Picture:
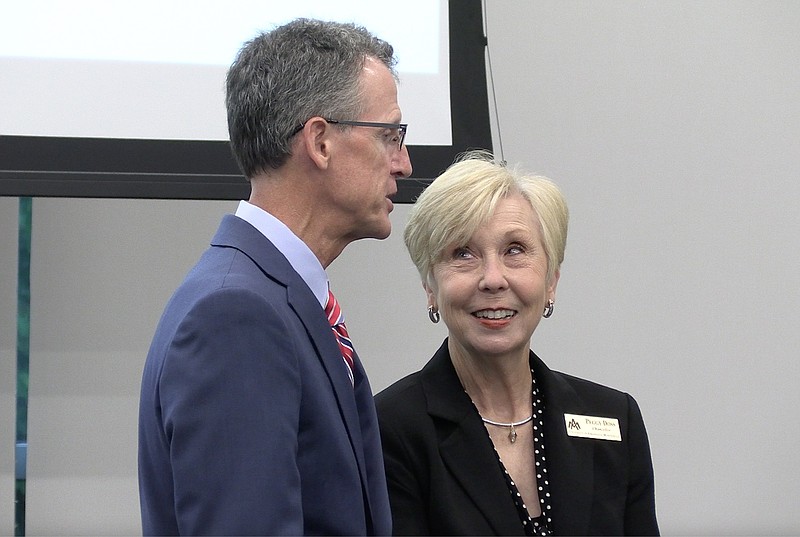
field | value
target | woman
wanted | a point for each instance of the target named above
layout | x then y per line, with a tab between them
485	439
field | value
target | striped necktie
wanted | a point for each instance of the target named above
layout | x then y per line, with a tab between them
336	320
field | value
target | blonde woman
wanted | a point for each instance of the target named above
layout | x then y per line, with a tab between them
486	439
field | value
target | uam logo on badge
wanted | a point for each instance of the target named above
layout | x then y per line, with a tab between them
594	427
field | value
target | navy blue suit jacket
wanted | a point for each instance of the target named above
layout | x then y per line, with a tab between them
248	423
443	473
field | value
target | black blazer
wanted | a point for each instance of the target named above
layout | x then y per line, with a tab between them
443	474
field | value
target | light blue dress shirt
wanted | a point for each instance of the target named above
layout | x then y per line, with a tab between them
296	251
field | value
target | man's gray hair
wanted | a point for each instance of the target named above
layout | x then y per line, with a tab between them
284	77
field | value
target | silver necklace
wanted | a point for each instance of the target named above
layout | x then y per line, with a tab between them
512	435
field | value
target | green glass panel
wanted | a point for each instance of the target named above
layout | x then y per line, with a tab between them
23	346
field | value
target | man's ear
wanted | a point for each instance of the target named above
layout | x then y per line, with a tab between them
316	135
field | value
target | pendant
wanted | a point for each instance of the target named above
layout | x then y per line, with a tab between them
512	436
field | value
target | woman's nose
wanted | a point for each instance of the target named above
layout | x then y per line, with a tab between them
494	275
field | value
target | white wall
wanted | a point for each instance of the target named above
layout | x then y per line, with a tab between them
671	126
101	271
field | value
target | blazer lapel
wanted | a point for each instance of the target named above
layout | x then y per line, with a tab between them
320	332
465	447
236	233
570	463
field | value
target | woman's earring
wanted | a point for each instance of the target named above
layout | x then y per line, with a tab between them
433	314
548	310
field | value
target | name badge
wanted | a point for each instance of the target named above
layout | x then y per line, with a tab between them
593	427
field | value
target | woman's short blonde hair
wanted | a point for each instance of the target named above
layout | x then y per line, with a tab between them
464	197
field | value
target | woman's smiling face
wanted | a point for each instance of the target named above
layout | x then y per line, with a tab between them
491	292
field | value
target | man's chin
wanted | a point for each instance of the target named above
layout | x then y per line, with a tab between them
380	231
384	234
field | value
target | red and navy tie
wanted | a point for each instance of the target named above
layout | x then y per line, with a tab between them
336	320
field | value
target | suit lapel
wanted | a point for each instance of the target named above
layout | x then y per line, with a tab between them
464	445
328	351
570	463
236	233
468	453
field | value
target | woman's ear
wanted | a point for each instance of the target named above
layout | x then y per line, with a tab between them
551	287
431	293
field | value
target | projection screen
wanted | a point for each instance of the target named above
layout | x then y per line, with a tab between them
126	99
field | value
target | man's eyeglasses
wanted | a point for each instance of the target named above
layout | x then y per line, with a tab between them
397	131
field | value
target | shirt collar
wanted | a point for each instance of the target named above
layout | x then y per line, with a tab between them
299	255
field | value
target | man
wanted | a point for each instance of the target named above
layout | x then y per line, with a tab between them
252	419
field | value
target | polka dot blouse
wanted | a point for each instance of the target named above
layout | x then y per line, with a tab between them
542	524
